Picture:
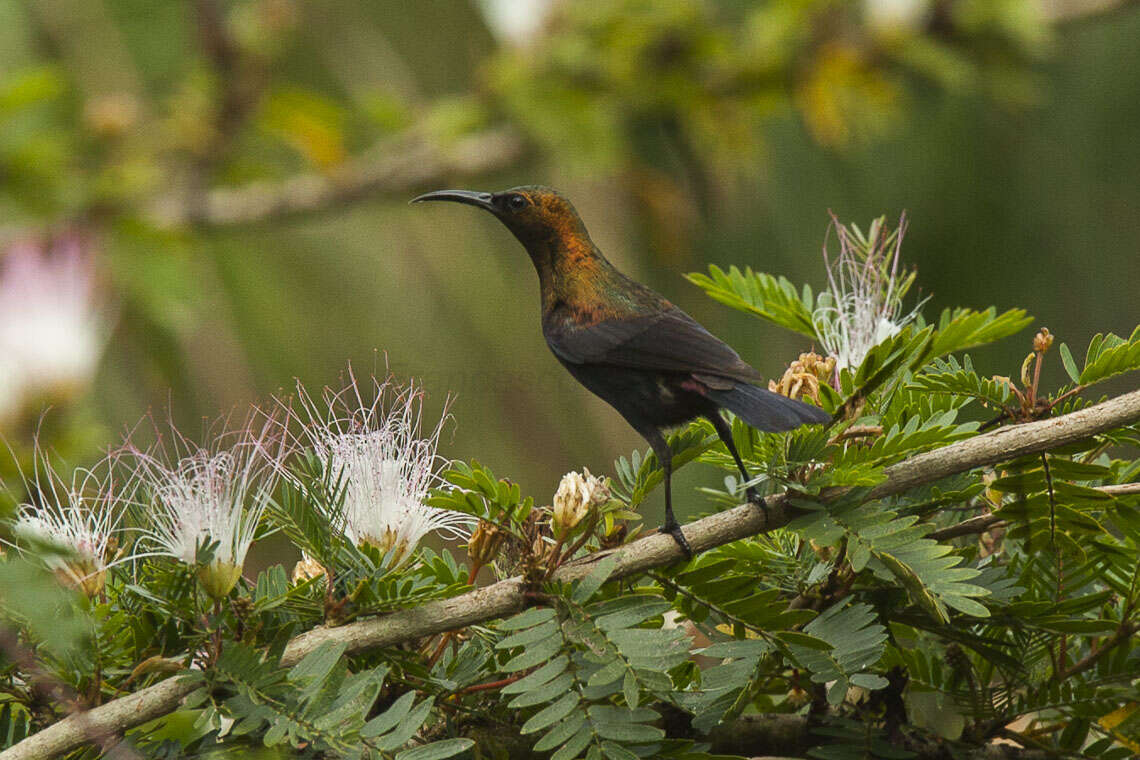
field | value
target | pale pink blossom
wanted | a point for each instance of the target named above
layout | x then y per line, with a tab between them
52	326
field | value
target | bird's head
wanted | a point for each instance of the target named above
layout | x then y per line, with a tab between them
538	216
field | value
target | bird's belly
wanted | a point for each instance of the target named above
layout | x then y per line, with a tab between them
643	397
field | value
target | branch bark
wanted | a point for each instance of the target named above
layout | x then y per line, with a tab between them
508	597
397	165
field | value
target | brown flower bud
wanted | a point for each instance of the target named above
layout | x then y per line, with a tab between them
484	544
539	550
1043	340
823	552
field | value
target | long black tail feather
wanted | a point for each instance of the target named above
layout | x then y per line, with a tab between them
765	410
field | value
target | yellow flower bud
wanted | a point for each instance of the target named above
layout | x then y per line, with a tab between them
218	578
1043	340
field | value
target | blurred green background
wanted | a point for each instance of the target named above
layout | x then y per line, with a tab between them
236	174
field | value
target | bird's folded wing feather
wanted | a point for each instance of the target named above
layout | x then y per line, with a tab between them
668	341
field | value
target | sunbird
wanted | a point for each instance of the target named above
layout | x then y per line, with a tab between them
626	343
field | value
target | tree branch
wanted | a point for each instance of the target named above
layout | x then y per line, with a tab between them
393	166
508	597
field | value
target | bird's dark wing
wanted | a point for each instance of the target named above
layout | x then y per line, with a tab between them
667	341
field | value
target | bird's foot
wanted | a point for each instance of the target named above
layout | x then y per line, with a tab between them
755	499
674	530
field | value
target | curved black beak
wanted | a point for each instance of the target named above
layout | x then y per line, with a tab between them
470	197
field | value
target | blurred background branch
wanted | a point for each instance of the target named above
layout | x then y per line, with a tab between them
396	166
1061	11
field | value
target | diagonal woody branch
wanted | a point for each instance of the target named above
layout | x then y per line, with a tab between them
508	597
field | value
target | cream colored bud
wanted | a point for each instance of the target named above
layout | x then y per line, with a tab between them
576	495
1043	340
307	569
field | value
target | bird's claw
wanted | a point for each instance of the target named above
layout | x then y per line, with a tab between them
755	499
674	530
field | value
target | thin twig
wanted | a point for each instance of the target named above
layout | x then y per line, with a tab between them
857	431
982	523
492	685
1122	489
974	525
1123	631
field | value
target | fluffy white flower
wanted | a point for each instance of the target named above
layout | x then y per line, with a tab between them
862	305
377	453
80	518
211	495
51	328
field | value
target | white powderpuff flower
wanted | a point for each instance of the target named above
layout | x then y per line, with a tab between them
80	518
862	306
577	494
212	494
52	328
376	452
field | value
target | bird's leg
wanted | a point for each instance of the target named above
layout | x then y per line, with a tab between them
724	430
665	457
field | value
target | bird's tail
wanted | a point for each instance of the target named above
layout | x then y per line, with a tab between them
765	410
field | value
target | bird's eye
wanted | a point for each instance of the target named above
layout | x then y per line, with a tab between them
517	202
